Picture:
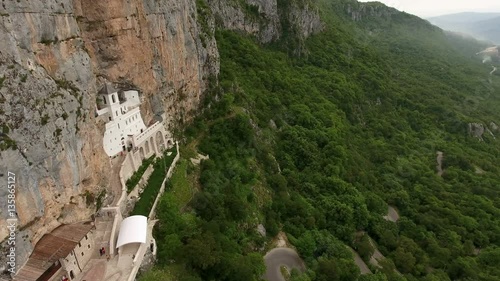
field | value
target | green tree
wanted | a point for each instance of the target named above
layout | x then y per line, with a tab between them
405	261
372	277
336	270
201	252
364	247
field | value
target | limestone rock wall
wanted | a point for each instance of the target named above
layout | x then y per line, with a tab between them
45	109
151	45
264	19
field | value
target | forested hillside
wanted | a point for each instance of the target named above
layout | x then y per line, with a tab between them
318	138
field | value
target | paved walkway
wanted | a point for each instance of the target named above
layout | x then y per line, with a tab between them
114	180
96	272
95	269
363	268
103	227
119	267
278	257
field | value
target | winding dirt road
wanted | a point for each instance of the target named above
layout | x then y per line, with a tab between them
363	268
439	163
278	257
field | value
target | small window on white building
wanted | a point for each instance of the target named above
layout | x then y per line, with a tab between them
82	254
79	244
116	113
118	126
113	97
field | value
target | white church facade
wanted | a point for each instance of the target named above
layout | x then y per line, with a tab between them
125	129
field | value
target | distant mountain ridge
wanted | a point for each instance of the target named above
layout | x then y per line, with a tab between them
464	17
483	26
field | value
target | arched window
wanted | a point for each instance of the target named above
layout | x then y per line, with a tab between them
113	98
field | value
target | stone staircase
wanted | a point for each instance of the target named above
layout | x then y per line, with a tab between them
103	232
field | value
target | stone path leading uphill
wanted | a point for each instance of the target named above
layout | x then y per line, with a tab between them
114	181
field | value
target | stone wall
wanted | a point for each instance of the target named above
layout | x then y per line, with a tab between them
81	255
167	177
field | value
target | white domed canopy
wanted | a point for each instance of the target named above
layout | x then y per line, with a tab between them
132	230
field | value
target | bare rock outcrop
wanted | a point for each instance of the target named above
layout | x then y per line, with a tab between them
494	127
264	19
359	11
476	130
49	138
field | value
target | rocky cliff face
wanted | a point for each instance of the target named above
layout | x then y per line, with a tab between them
267	19
49	140
152	45
54	57
477	130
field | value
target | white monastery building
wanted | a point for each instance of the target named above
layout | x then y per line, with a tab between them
123	116
125	129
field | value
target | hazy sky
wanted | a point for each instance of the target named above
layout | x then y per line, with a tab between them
429	8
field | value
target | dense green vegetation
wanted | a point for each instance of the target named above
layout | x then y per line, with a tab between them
148	196
179	183
136	177
319	145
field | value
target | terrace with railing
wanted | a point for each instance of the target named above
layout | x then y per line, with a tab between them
150	131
